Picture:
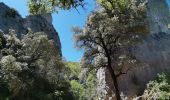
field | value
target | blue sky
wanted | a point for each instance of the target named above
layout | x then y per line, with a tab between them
62	21
168	2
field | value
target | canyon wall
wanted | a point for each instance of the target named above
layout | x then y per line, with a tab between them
153	54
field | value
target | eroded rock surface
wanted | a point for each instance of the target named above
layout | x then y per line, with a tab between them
153	53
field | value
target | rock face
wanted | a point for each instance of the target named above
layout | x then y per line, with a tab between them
158	16
10	19
153	53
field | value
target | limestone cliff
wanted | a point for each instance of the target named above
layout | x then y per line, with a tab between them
153	53
10	19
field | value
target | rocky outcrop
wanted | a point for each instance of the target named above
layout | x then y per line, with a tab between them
39	23
153	53
158	16
10	19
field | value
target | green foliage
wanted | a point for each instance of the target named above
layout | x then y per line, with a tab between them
74	69
9	64
91	82
40	7
157	90
108	36
78	90
50	6
31	68
83	83
112	34
115	4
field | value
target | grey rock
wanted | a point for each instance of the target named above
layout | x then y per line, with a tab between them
10	19
153	53
38	23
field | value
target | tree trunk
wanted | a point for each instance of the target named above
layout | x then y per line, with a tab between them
114	78
111	70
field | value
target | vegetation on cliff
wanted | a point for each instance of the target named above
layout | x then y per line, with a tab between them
158	89
108	36
32	69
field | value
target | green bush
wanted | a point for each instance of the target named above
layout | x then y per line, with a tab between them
83	83
77	90
31	68
157	90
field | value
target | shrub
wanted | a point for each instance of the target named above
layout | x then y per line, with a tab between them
157	90
77	90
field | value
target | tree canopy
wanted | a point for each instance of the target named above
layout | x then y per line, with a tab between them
108	37
49	6
31	68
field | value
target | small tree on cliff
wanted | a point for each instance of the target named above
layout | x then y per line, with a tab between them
107	38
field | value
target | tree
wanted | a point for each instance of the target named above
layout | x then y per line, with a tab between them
83	85
78	90
108	37
31	68
50	6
